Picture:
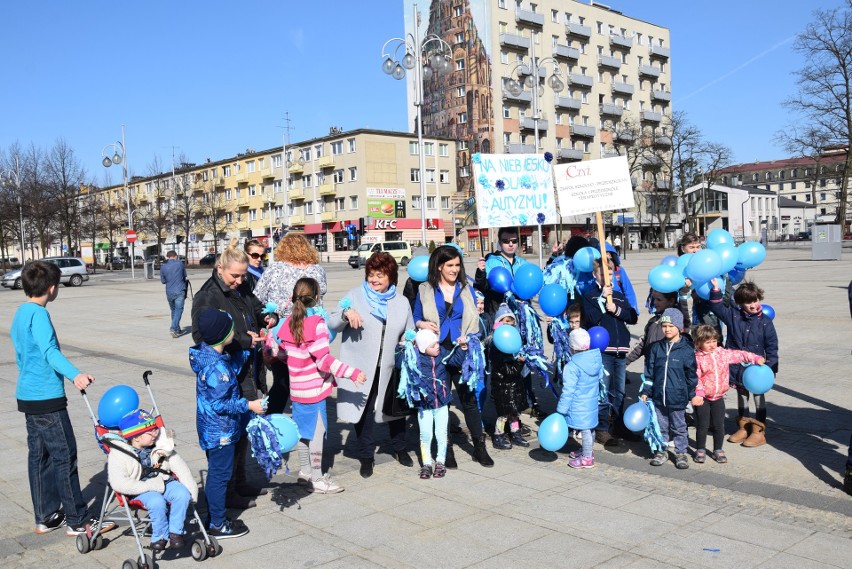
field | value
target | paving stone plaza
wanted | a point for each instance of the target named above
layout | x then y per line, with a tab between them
778	505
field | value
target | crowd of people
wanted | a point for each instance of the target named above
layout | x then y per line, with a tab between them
412	348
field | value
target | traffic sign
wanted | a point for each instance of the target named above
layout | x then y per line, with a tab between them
131	236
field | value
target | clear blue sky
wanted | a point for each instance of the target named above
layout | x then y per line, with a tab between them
214	78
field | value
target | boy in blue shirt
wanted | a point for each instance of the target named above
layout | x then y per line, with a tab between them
40	392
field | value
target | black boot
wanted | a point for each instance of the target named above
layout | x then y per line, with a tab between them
518	439
480	454
451	458
501	442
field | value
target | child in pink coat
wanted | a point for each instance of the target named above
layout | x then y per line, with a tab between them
713	364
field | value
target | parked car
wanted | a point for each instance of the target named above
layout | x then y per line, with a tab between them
207	260
847	236
73	269
158	260
399	250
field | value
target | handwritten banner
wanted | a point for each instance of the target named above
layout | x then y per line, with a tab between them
594	185
513	190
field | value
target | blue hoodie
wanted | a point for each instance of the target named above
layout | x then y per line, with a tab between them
219	407
580	388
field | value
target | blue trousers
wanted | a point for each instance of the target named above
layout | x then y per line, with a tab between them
673	420
176	306
437	420
166	520
52	467
220	466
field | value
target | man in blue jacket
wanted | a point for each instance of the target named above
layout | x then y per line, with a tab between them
173	275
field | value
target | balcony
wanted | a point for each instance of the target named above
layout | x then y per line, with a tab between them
649	71
516	148
660	95
578	30
569	154
583	130
529	18
663	141
522	97
325	162
328	216
515	42
581	80
609	61
267	173
662	185
568	103
624	137
327	189
143	197
242	201
620	41
566	52
296	169
611	110
623	89
297	194
651	116
659	51
242	178
297	220
528	123
651	161
219	182
609	154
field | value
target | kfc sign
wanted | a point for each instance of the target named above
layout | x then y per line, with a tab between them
385	224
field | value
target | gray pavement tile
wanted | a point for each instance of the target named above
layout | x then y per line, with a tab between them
497	532
732	554
372	530
766	533
483	492
666	509
301	550
787	561
604	494
324	511
433	548
10	547
434	511
824	548
353	562
553	551
390	495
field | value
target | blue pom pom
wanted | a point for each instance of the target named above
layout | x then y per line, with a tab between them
548	157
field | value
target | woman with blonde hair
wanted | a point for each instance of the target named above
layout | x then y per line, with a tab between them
227	290
294	258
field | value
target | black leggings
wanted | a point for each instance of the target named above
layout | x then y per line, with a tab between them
710	413
759	404
467	401
366	425
279	393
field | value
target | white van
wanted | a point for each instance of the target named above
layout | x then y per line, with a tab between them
399	250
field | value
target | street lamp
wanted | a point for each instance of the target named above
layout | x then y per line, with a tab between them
119	156
531	80
427	57
703	205
14	175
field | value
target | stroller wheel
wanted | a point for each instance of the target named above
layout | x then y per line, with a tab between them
199	550
128	564
213	549
83	545
145	562
99	543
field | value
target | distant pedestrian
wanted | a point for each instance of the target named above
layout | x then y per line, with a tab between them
617	244
173	275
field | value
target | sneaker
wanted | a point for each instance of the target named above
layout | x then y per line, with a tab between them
440	471
325	486
176	541
659	459
575	454
501	442
303	479
519	440
682	461
228	529
425	472
525	430
90	528
174	335
55	521
582	462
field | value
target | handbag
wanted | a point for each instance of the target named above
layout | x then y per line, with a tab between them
393	406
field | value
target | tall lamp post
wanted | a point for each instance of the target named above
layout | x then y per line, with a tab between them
119	156
530	80
703	206
427	56
14	176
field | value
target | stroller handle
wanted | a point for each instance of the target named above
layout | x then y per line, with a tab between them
146	375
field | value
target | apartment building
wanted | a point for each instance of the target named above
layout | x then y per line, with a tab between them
614	71
742	210
343	189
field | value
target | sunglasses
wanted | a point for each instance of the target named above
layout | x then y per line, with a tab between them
509	241
255	255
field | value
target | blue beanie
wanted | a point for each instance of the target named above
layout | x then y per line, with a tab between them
672	316
214	325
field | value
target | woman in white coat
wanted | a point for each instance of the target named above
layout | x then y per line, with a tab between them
372	320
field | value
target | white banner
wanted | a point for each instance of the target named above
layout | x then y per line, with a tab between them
513	190
594	185
386	193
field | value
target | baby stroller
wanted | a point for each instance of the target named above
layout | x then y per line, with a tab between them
119	508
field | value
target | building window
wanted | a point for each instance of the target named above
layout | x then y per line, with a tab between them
337	148
339	204
252	215
459	37
507	112
252	190
504	57
353	174
460	65
338	176
554	16
792	185
415	202
250	166
458	11
229	217
226	171
309	208
462	144
501	4
430	175
445	202
412	148
415	175
444	176
462	118
429	148
227	195
353	202
307	181
443	149
464	171
306	154
350	143
430	202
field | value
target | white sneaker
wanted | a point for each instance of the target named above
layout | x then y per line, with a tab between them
303	479
325	486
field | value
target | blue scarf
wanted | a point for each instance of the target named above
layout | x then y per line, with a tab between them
378	301
256	271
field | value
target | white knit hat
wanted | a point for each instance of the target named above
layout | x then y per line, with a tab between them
579	340
424	339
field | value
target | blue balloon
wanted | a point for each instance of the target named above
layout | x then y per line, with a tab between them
584	259
527	281
730	256
418	268
664	278
703	266
553	432
683	261
286	430
599	338
118	401
507	339
553	299
500	280
703	290
736	275
751	254
719	238
758	379
768	311
637	416
669	261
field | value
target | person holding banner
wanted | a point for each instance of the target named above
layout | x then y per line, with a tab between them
446	304
613	315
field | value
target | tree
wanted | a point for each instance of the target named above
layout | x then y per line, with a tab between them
824	98
187	209
158	217
40	209
809	142
64	176
214	216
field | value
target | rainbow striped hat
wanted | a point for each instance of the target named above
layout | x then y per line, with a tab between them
136	423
